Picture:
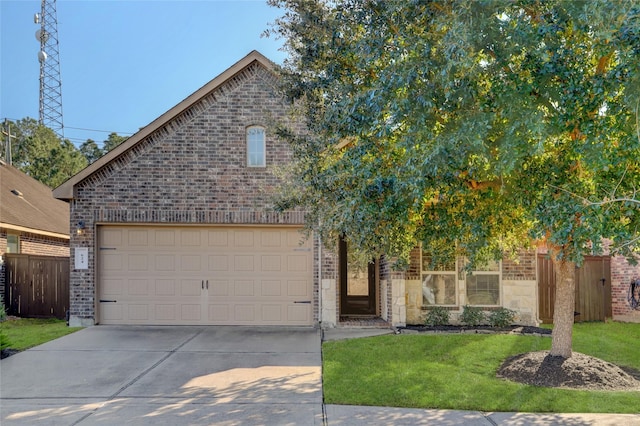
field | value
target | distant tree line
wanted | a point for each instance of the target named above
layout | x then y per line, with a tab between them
37	151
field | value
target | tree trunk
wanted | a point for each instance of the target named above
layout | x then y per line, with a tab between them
563	313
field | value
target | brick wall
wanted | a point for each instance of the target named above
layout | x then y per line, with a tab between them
42	245
191	170
521	269
622	273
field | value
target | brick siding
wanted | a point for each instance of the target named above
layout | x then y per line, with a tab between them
521	269
622	273
190	170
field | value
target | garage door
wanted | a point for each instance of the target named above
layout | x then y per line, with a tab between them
191	276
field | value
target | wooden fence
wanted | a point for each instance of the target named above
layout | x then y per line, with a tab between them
593	289
37	286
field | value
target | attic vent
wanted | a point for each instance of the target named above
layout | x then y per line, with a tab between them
16	192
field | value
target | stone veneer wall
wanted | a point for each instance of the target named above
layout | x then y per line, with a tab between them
330	294
192	170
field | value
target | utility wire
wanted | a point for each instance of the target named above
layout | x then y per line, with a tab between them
84	129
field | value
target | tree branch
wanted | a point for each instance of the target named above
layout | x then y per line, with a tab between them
588	202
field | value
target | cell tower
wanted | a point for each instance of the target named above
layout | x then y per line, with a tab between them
48	56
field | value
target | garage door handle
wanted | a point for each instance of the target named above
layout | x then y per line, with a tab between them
202	282
302	301
207	284
107	301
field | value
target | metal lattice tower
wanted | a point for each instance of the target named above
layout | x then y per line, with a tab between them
48	56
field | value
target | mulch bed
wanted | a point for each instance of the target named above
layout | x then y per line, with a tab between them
580	371
538	368
5	353
483	329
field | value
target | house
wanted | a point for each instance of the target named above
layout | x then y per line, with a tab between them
177	228
31	220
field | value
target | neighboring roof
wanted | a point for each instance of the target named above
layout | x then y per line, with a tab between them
28	205
65	191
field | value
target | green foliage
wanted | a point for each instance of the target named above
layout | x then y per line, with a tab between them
90	150
472	316
437	316
112	141
4	340
501	317
482	123
38	152
479	125
3	310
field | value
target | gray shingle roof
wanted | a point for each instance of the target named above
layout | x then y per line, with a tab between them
27	203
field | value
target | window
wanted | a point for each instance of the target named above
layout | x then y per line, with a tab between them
483	285
13	243
438	282
256	151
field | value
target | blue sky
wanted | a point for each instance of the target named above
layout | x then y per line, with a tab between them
124	63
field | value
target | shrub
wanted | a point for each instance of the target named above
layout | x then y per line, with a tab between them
437	316
3	312
472	316
502	317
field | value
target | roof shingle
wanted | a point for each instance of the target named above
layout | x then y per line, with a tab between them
27	203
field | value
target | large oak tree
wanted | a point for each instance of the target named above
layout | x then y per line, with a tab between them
476	125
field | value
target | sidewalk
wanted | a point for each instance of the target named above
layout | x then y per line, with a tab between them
343	415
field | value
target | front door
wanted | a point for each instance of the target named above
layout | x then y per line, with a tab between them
357	286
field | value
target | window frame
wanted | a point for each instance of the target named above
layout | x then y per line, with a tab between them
487	271
248	146
17	243
425	272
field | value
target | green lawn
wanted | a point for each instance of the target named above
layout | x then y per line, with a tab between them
458	371
25	333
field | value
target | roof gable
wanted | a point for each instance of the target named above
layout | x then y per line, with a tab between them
66	190
28	205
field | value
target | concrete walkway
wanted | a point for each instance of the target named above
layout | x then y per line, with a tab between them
207	376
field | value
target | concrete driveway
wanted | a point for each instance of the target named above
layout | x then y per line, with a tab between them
166	376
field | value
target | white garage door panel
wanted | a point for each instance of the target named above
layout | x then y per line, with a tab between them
162	275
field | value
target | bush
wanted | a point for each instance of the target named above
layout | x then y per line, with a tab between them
437	316
502	317
472	316
3	311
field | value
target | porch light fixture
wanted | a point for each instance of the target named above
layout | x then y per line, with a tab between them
80	228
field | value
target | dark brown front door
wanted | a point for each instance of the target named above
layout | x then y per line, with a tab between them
357	286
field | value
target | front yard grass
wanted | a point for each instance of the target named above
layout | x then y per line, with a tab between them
458	371
25	333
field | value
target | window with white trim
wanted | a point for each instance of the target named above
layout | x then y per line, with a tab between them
256	147
483	285
438	282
